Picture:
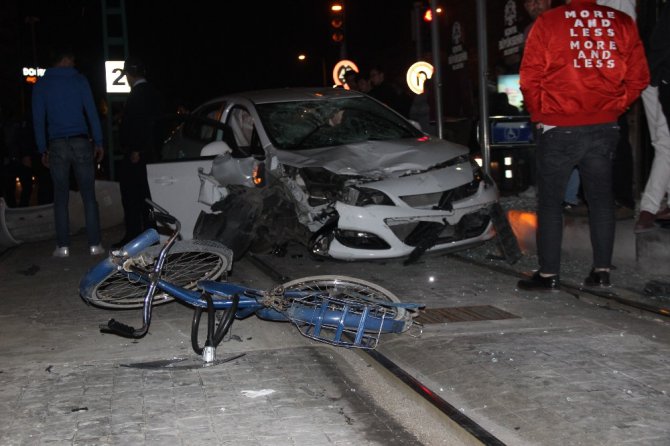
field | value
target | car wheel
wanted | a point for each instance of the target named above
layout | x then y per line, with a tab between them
234	222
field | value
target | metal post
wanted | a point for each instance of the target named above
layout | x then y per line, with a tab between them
343	43
114	45
437	75
482	54
416	28
31	20
324	72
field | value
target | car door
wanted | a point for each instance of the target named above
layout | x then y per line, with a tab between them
173	178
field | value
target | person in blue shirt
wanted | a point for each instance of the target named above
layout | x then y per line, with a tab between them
65	120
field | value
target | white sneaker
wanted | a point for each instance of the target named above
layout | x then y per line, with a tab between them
61	251
97	250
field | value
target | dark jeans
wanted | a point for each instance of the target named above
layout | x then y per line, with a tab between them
134	189
75	152
623	167
592	149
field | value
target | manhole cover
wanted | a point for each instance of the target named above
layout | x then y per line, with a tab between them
463	314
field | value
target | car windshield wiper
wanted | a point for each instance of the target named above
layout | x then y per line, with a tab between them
309	135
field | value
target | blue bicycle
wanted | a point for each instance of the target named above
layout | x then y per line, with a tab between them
338	310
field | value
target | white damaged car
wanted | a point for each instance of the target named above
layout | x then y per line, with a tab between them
332	169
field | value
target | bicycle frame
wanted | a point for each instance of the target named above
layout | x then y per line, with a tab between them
317	314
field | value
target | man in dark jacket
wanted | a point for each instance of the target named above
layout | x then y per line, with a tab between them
583	65
138	140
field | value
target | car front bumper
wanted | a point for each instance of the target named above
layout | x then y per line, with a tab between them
382	232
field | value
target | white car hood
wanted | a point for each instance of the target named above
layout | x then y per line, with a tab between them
378	159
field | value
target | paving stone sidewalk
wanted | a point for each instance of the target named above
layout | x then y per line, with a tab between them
565	370
62	382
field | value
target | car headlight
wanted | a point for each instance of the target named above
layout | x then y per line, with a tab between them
363	196
479	175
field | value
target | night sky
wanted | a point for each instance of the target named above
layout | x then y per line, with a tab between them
196	50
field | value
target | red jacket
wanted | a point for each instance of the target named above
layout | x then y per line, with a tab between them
583	64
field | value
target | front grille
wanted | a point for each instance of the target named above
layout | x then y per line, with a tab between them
442	200
422	201
470	226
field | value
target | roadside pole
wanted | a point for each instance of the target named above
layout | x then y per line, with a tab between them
437	75
482	53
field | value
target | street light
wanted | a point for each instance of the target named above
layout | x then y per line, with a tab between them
303	59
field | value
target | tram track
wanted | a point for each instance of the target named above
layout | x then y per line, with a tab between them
610	298
468	427
625	299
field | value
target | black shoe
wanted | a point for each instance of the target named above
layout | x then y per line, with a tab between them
598	278
539	283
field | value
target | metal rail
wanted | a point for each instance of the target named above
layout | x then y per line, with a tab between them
619	296
613	294
464	422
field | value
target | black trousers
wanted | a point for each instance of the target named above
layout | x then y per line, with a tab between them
134	190
623	167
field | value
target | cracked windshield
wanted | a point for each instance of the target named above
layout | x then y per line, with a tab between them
312	124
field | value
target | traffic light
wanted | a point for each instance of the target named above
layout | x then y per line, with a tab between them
337	22
428	14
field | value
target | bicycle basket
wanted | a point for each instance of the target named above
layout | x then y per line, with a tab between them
341	322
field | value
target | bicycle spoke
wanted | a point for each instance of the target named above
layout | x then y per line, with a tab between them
184	267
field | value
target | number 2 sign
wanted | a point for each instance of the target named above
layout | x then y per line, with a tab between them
116	80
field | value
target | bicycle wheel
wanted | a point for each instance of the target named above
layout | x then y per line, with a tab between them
187	262
350	288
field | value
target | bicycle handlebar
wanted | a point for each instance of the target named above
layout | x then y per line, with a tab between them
115	327
162	215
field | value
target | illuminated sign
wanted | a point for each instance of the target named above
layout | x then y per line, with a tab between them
417	75
31	74
116	80
341	68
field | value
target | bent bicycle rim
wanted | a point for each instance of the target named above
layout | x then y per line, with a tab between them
187	263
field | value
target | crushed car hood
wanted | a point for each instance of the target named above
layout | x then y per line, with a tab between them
377	159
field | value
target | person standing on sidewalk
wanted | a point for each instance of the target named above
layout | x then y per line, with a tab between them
64	114
138	139
656	100
583	66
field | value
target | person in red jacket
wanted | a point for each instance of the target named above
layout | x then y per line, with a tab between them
583	66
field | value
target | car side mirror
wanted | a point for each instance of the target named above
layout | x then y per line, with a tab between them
215	148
